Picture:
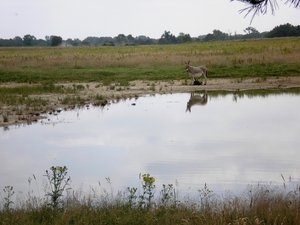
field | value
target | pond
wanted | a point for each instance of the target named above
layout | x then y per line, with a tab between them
227	141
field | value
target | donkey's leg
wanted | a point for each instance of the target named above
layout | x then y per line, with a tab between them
192	79
205	78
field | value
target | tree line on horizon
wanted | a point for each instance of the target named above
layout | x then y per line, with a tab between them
285	30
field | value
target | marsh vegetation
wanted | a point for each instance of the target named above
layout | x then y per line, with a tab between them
147	204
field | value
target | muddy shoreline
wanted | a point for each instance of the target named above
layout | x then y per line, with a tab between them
135	89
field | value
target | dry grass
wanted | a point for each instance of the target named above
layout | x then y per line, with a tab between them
213	54
260	204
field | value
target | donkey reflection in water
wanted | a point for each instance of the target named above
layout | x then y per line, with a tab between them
196	100
196	72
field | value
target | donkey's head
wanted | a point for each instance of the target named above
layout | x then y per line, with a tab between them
187	66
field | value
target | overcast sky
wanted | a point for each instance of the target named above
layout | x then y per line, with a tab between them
83	18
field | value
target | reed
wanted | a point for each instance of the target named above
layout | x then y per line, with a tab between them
258	204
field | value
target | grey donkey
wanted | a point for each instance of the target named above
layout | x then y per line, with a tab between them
196	71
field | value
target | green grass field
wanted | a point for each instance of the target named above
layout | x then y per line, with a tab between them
235	59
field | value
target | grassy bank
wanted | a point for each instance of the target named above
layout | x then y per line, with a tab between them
235	59
258	204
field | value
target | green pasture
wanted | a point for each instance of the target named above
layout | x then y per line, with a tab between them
232	59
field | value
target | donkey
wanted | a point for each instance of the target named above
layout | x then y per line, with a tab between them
196	100
196	72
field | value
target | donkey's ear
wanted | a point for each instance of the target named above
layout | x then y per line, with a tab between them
188	62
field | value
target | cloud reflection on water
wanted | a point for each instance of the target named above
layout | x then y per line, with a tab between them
224	143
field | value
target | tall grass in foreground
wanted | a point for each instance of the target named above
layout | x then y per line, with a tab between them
260	204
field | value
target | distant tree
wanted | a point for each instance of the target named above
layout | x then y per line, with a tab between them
41	42
219	35
167	38
85	43
285	30
150	41
48	40
121	39
130	39
6	42
261	6
69	42
18	41
182	38
209	37
76	42
108	43
56	40
201	37
29	40
251	32
216	35
96	40
91	41
144	40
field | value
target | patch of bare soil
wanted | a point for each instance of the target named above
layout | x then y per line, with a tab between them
24	115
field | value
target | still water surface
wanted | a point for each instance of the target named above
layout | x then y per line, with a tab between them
228	143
